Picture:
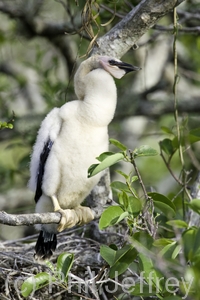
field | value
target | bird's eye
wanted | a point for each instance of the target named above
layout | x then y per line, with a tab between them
112	62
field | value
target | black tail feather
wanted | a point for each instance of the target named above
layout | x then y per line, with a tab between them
45	245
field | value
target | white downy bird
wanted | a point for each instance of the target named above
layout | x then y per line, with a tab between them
68	142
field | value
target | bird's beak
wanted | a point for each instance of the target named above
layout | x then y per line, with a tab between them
124	66
116	67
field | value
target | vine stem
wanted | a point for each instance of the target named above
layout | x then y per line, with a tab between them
176	77
176	116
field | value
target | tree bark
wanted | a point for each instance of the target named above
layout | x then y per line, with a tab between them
29	219
137	22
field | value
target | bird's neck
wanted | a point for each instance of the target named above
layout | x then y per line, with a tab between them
99	104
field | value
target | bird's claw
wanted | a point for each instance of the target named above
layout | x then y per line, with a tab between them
71	217
77	216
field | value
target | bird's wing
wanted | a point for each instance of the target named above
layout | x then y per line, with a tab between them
43	157
47	134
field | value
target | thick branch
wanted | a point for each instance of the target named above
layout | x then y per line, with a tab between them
76	216
96	200
29	219
127	32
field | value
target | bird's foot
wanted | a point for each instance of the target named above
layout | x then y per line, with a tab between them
77	216
84	214
71	217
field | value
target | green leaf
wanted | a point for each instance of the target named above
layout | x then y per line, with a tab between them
134	205
188	241
162	242
168	250
104	155
194	135
166	130
165	209
64	264
118	144
161	198
163	204
175	142
10	126
143	239
4	125
108	254
50	265
176	251
147	267
120	186
194	205
123	199
120	218
123	174
109	216
144	150
134	178
167	146
196	247
190	137
107	162
123	258
92	169
142	289
177	223
36	282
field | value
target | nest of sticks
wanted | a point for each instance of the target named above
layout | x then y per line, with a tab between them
87	275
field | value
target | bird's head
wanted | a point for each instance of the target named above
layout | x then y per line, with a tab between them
113	66
116	67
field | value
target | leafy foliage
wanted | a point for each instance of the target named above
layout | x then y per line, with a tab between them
57	276
4	125
162	246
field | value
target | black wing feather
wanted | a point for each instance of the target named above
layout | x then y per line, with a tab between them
43	157
45	245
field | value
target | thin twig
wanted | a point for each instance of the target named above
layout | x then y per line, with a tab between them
169	29
147	214
121	16
169	168
139	176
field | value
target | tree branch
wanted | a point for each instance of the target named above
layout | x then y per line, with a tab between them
99	198
39	218
138	21
29	219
